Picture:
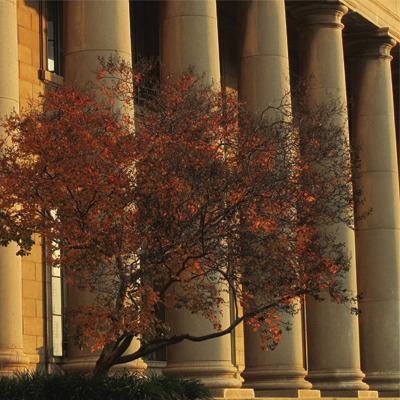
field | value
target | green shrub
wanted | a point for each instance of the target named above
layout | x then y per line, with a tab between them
121	386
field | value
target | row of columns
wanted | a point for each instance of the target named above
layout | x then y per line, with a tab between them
337	341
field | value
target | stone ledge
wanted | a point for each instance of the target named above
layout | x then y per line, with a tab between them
303	398
289	393
232	393
358	394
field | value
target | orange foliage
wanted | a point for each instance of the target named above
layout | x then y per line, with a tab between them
200	197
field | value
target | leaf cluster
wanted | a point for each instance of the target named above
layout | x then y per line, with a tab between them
187	198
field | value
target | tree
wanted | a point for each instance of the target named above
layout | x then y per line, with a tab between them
189	197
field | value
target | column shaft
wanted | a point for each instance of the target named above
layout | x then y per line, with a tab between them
263	53
378	236
189	37
94	29
264	81
79	361
12	357
333	336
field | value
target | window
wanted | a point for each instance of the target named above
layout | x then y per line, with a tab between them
54	36
51	44
57	305
57	312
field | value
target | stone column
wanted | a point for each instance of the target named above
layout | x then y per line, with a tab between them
85	361
264	81
189	36
333	337
378	236
12	357
93	29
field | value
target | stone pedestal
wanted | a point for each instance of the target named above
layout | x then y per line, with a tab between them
12	357
332	332
263	83
378	236
290	394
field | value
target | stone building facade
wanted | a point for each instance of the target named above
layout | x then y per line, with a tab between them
350	48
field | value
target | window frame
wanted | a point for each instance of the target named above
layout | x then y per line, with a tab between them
56	76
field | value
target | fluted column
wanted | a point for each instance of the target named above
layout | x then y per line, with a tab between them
12	357
264	81
93	29
333	335
189	36
378	236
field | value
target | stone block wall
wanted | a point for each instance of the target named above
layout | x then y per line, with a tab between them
33	305
28	51
33	281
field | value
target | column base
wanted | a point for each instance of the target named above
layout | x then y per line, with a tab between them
84	364
232	393
214	375
364	394
392	395
136	366
154	367
335	381
386	383
278	379
12	361
87	364
297	394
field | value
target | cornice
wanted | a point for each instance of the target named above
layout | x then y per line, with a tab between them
365	8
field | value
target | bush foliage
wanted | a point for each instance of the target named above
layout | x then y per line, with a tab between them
121	386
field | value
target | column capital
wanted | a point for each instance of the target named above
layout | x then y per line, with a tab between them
314	15
375	43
